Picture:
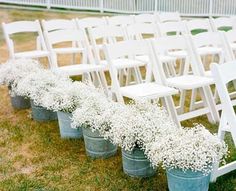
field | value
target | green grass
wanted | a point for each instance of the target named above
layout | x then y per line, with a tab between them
34	157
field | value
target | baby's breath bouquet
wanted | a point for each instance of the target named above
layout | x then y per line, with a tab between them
91	110
194	149
139	123
67	96
13	71
35	85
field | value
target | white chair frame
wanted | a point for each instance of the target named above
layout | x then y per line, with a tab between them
86	67
146	89
109	35
222	75
185	81
25	27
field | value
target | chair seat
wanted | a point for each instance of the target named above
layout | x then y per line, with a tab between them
68	50
163	58
32	54
78	69
209	50
147	90
188	82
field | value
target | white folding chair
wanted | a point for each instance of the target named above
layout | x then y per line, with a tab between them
168	16
186	81
60	24
139	31
210	44
196	26
86	66
108	35
146	89
120	20
28	27
222	23
174	28
145	18
223	74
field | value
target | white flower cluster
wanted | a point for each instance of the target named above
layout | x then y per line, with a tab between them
66	96
92	109
138	124
193	149
13	71
35	85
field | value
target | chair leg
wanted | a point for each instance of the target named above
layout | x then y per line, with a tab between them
170	106
193	100
137	75
121	76
208	100
171	68
182	101
128	76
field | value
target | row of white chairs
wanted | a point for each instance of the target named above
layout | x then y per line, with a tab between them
207	43
135	30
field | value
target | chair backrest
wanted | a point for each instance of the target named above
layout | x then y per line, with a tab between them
58	24
168	16
223	74
66	35
172	28
90	22
161	46
104	35
22	27
77	38
222	23
196	26
140	31
145	18
214	39
121	20
128	50
209	39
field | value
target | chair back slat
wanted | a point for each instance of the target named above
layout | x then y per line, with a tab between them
58	24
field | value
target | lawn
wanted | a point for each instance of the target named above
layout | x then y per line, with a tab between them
34	157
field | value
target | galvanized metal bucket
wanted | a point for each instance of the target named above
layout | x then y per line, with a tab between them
135	164
96	146
179	180
41	114
19	102
66	131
